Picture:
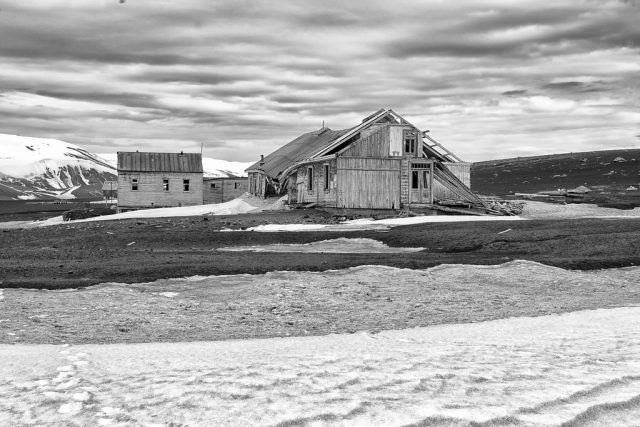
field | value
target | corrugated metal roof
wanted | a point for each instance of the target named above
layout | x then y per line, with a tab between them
159	162
299	149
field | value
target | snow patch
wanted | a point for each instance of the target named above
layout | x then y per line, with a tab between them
541	210
232	207
371	224
341	245
168	294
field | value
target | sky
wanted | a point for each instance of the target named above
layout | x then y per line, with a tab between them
489	78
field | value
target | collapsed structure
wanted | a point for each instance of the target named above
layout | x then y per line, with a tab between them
384	162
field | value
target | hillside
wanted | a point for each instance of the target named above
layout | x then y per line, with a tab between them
40	168
608	173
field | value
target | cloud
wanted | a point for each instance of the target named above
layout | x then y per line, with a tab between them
489	78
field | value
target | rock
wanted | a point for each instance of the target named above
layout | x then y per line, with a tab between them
579	190
619	160
632	188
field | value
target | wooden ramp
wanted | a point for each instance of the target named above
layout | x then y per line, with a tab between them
445	177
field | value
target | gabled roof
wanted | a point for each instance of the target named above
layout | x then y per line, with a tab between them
297	150
159	162
323	142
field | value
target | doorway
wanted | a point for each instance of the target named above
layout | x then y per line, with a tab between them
421	183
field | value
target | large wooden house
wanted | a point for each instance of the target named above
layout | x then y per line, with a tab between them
384	162
147	180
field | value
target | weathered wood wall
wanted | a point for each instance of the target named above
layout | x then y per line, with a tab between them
319	194
373	145
220	190
257	184
462	170
368	183
151	194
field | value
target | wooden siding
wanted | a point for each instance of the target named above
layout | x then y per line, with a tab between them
367	183
318	194
151	194
374	145
257	184
462	170
220	190
159	162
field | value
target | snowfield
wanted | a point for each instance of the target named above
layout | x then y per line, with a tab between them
231	207
581	368
341	245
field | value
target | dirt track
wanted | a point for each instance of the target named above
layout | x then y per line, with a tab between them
133	251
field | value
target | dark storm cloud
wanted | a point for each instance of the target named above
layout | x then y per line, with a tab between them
188	76
516	92
578	87
524	32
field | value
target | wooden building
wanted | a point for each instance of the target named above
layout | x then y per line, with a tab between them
384	162
220	190
148	180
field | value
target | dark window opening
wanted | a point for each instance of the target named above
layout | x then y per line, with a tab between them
165	185
213	185
414	179
235	185
134	184
410	142
310	179
326	177
185	184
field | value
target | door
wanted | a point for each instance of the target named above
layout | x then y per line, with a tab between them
420	182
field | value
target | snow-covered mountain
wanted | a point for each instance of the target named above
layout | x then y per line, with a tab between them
221	168
41	168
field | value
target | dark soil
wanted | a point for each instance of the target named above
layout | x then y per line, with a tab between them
131	251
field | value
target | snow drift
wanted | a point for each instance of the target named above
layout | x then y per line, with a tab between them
579	368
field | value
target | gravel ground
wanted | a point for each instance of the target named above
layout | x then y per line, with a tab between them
276	304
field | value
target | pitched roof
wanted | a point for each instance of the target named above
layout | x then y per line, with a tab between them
297	150
159	162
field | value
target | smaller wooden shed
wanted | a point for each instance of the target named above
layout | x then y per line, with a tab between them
220	190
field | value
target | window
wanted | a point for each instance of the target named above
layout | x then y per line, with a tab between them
415	175
213	185
185	184
410	142
310	178
165	185
235	185
134	184
326	177
425	179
